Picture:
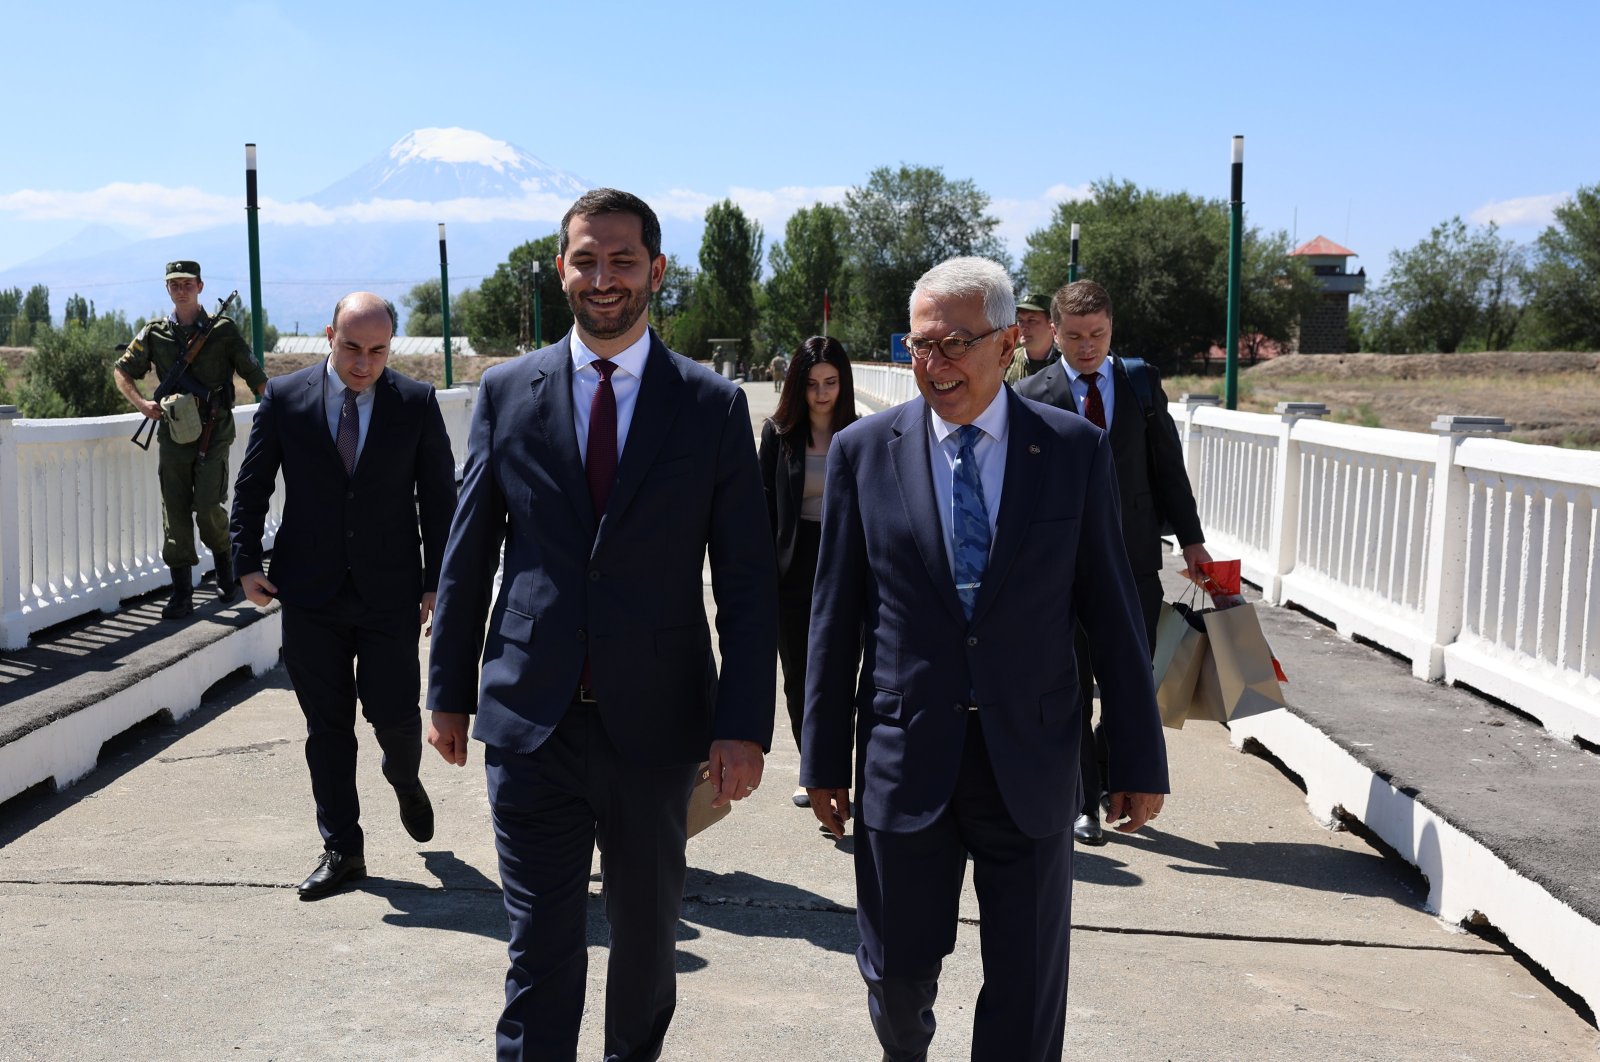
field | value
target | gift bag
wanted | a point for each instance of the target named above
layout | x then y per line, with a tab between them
1246	674
701	813
1180	650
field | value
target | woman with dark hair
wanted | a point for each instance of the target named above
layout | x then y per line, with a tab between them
818	399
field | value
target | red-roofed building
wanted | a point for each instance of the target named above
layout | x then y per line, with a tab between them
1326	328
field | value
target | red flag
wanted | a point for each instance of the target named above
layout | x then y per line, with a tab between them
824	306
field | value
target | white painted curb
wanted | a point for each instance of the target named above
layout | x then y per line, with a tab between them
1463	876
68	748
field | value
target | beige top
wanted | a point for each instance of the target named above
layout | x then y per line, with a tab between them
811	493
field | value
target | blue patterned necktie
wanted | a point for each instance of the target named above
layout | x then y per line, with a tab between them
349	433
969	519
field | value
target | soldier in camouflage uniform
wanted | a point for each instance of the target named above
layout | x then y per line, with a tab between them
194	486
1038	350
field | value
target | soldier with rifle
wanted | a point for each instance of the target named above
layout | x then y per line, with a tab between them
196	356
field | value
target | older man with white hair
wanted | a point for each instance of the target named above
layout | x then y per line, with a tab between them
951	522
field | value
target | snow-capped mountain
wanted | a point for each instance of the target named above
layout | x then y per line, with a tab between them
438	165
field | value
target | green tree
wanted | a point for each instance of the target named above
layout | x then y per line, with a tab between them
502	318
812	258
1565	277
424	306
240	315
11	314
79	309
1164	259
69	372
730	265
903	222
677	286
1454	285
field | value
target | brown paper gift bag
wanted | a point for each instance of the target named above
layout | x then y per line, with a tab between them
701	813
1246	680
1180	650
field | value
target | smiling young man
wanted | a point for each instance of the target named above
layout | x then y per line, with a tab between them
952	522
607	468
369	486
193	473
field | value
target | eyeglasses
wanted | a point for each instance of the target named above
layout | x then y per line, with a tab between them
954	348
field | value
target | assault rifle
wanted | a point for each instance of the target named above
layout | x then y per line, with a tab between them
179	380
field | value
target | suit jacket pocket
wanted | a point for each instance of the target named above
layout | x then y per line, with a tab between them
673	466
516	626
888	704
689	639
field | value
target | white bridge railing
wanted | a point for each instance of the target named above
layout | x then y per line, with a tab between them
80	513
1476	558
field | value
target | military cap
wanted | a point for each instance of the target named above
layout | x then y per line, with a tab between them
1035	302
183	268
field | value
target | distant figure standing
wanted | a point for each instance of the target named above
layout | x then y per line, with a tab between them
193	473
777	367
369	486
818	399
1036	347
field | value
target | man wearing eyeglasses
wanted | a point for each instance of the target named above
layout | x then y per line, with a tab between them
952	521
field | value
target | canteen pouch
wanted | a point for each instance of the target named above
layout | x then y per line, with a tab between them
181	412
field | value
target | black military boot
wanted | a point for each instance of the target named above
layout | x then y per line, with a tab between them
182	601
227	585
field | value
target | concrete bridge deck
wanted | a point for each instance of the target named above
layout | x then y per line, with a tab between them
149	910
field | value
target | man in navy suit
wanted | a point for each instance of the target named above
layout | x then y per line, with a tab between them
1151	480
607	467
369	485
950	523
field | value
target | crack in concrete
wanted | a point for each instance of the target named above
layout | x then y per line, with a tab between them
778	905
231	750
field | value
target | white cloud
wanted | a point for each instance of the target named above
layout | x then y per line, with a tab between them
772	208
1528	210
148	209
1020	217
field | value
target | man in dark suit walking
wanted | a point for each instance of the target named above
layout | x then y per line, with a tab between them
606	466
1151	480
951	522
369	486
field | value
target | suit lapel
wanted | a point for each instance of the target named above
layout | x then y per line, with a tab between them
1027	442
1058	388
385	402
913	473
1127	418
796	481
551	385
654	409
314	409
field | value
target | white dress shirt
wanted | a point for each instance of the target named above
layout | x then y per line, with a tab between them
624	386
1080	386
333	404
990	453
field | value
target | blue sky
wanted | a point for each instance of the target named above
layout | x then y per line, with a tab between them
1367	123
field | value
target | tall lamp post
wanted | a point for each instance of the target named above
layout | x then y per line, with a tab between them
1072	255
1235	253
538	330
257	323
444	305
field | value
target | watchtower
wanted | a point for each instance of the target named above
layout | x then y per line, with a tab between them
1325	329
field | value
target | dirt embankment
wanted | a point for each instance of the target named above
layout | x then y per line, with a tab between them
1548	398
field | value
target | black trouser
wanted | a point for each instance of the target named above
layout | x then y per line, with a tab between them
794	621
908	894
1093	755
550	808
336	653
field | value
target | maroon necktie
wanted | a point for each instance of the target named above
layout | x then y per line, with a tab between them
601	463
1094	407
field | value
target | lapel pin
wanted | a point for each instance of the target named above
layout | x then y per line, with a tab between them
1033	448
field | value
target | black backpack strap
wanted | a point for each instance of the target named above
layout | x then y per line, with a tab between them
1143	390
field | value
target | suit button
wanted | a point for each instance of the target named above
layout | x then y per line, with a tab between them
350	495
349	534
972	640
958	706
583	635
594	577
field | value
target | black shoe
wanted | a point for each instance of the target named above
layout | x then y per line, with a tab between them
334	869
1087	830
416	812
181	603
227	585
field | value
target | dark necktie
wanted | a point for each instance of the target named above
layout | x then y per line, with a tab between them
601	463
349	433
969	519
1094	407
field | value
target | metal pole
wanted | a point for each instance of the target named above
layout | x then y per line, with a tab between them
1235	255
538	329
1072	256
257	322
444	304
